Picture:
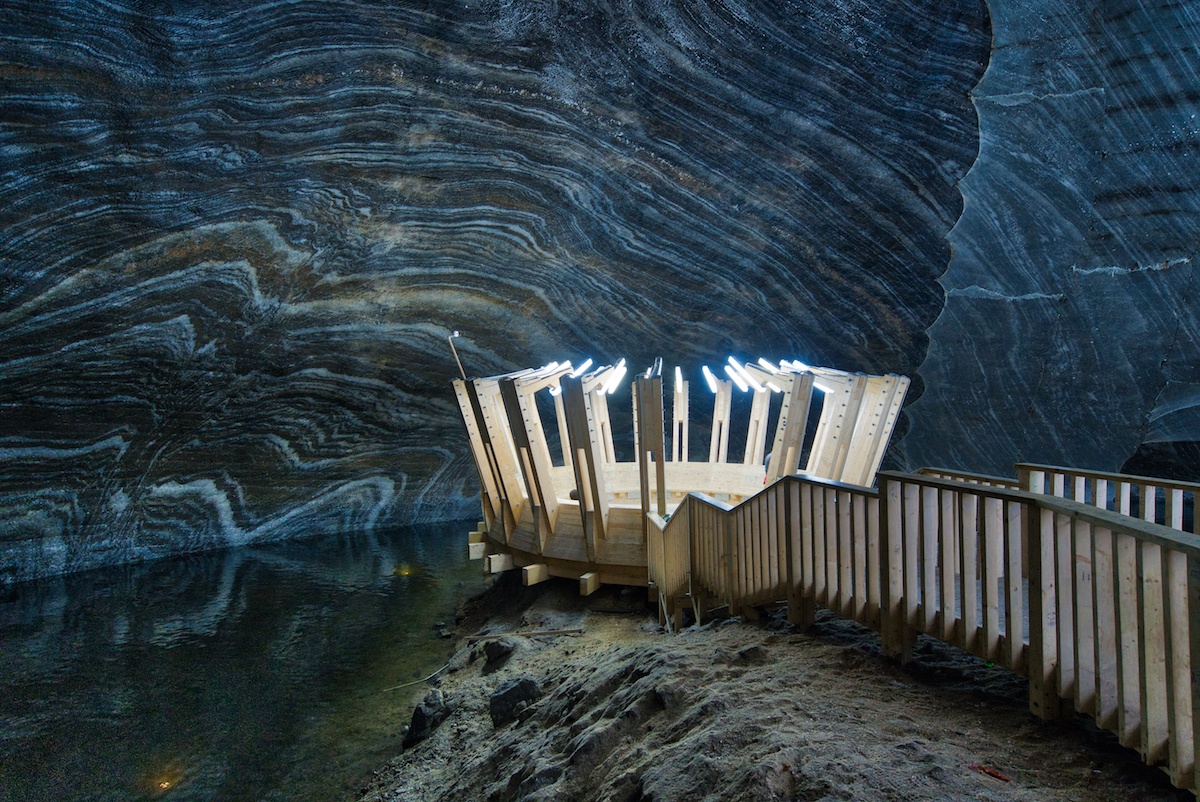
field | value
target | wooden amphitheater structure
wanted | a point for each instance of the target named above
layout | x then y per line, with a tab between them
1085	582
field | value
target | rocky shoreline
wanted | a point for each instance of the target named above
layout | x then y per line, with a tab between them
610	708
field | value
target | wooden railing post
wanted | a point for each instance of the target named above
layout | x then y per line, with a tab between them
1193	603
652	453
1042	664
726	524
895	636
802	610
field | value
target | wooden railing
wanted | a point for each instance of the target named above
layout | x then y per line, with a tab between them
1164	501
1096	608
971	478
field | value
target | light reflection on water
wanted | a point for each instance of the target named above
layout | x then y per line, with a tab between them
252	674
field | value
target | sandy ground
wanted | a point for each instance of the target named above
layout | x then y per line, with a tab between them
739	711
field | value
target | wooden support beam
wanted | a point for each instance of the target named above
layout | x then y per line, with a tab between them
498	563
588	584
1193	600
718	441
472	419
475	537
791	427
839	414
533	458
476	551
679	421
534	574
487	408
756	429
1043	639
651	451
588	463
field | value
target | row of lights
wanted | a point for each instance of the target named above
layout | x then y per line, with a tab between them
735	370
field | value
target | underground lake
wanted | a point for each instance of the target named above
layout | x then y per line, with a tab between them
260	673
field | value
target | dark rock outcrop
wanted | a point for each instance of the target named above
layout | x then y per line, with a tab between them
432	711
512	698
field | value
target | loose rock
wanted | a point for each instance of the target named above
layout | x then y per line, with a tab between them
511	698
495	651
432	711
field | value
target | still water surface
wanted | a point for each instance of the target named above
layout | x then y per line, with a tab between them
252	674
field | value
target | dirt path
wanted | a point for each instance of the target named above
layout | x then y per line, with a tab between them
740	711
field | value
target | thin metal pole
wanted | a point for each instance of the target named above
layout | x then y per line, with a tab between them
450	340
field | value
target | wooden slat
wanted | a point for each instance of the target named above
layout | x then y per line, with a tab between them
718	441
893	615
1014	603
873	429
845	554
831	441
1065	581
930	557
1151	648
1104	598
860	539
588	462
1043	700
791	426
910	536
679	422
1129	662
1193	603
487	477
1177	656
948	542
821	513
876	575
778	534
992	527
808	582
1085	666
969	571
756	429
533	458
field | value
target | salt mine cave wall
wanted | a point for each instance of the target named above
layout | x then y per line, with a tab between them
235	237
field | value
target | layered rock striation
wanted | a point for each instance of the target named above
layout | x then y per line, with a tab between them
1070	329
236	236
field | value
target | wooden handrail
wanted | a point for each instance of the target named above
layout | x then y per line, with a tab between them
1132	479
986	491
973	478
982	567
1145	531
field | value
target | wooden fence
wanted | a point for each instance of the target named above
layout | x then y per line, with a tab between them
1095	607
1163	501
